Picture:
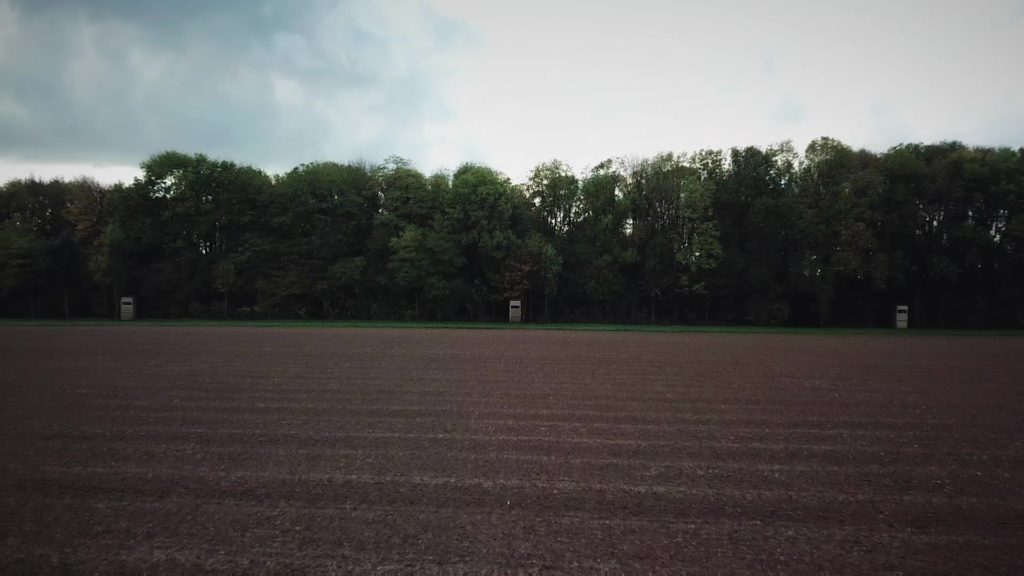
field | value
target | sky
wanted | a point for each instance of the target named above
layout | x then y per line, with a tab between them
95	87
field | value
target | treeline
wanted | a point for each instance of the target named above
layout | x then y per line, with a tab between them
832	237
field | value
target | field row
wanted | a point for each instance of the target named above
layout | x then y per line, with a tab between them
205	449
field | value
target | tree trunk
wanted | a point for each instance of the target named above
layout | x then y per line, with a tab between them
919	314
416	308
653	318
31	303
67	311
225	304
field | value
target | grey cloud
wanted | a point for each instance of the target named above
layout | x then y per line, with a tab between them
888	127
270	82
768	67
790	110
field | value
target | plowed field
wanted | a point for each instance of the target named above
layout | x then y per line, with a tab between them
185	449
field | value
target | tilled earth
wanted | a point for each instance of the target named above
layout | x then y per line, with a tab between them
181	449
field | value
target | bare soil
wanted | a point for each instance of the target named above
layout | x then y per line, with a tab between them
192	449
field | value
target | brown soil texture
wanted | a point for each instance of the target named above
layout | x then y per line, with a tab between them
194	449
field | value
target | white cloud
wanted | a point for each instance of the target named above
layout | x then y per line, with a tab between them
294	81
11	169
583	81
511	84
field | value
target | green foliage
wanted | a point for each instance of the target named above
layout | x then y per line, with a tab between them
425	261
22	258
831	237
555	192
700	249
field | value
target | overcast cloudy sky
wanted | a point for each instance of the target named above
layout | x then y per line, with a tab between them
94	87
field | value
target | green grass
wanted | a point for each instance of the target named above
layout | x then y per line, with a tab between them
505	326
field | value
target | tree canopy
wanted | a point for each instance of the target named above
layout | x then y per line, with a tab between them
832	236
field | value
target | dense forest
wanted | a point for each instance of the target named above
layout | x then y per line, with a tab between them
831	237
